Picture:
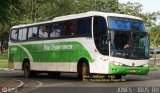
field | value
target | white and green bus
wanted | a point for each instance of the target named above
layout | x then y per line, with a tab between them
85	43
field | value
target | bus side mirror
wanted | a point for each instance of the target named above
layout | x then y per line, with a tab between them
109	37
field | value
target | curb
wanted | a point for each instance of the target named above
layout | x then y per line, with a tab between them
17	87
4	69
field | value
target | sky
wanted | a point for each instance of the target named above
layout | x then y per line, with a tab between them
148	5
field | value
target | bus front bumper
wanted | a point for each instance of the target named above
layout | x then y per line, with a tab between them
127	70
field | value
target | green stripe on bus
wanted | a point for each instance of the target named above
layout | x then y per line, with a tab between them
50	52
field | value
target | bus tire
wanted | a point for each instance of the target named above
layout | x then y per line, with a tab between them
26	70
84	71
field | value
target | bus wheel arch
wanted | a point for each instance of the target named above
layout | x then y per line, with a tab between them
24	61
83	68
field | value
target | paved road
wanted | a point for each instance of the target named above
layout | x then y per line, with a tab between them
69	83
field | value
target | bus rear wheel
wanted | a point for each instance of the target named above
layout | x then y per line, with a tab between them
26	69
84	71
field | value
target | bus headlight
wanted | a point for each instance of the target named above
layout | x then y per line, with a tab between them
116	63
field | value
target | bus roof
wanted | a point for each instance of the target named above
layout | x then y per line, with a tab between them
80	15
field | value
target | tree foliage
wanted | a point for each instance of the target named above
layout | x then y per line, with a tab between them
7	8
131	8
151	18
155	35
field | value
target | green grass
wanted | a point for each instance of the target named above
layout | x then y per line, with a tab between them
3	60
155	55
3	55
3	63
154	67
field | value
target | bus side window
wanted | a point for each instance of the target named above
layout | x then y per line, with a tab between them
43	31
87	26
32	33
100	35
56	30
70	28
66	29
14	34
22	34
73	28
84	26
80	28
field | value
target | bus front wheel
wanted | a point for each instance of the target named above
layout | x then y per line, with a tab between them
83	71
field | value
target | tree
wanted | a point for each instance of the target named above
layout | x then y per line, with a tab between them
97	5
131	8
154	32
8	9
48	9
151	18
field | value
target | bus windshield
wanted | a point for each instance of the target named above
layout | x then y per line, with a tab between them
126	24
128	39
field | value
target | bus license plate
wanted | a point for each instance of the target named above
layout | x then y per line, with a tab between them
132	71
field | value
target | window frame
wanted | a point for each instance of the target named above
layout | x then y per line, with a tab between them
48	32
60	22
54	38
32	31
91	28
16	36
22	34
